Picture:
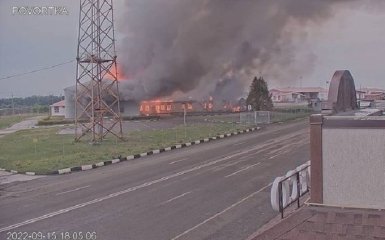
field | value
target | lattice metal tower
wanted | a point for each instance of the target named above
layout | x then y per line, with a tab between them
97	107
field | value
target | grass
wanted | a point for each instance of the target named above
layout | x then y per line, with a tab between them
60	120
53	120
233	117
7	121
281	115
286	116
41	150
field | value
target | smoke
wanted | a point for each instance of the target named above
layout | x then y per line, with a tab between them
227	89
203	47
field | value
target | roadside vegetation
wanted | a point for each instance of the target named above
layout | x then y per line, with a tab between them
276	115
42	150
53	120
282	115
60	120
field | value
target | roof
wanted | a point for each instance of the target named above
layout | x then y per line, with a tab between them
59	104
374	94
328	223
300	90
372	90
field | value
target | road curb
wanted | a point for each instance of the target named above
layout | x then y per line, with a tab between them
135	156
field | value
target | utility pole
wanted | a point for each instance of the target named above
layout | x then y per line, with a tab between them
97	105
13	105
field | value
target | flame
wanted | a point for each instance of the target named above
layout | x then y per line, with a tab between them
116	71
155	106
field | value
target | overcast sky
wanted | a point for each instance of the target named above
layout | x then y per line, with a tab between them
353	39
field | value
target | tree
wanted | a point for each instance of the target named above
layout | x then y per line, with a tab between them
259	97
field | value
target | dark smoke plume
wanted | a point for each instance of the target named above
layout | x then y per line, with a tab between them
196	46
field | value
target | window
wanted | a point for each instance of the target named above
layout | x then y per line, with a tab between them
56	109
189	106
168	107
162	107
147	108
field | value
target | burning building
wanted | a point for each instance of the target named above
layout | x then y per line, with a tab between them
129	106
170	107
158	107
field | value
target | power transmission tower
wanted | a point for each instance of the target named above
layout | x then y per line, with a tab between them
97	106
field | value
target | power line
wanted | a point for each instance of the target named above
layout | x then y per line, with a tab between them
37	70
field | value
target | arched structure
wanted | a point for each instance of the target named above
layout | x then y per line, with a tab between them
342	92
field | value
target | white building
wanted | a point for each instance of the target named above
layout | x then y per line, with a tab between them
298	95
57	109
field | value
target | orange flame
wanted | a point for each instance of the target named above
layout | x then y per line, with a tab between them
116	71
155	106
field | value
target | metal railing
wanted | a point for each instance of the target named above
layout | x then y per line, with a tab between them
288	189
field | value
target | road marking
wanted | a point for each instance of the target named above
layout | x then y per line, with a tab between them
240	143
240	160
243	169
147	184
279	154
222	212
183	159
274	156
73	190
249	155
116	194
174	198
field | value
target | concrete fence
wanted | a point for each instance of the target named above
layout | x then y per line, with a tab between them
348	161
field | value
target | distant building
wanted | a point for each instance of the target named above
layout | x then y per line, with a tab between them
57	109
360	94
371	94
298	95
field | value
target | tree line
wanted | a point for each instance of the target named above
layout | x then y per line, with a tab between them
36	104
31	101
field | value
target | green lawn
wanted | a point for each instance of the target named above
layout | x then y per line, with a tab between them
275	116
41	150
286	116
7	121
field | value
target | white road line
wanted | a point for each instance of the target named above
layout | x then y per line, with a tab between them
243	169
240	160
116	194
73	190
174	198
222	212
183	159
249	155
240	143
274	156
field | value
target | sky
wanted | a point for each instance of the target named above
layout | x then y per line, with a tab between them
352	39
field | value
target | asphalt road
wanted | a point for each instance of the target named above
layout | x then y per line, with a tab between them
218	190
